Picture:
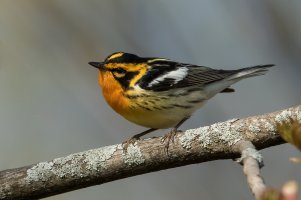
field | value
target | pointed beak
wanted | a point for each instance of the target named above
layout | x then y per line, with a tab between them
98	65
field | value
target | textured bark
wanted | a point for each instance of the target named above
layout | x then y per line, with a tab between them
97	166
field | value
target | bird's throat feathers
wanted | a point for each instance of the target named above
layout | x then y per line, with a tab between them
113	92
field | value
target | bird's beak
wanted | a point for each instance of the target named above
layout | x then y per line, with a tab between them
98	65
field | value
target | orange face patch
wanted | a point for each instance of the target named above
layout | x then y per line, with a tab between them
113	92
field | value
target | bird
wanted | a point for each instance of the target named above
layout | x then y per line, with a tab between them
160	93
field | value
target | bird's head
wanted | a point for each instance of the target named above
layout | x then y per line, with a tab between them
121	70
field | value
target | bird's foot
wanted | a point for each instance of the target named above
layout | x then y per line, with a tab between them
169	137
135	138
131	141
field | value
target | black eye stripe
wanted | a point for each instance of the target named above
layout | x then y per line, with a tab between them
119	70
126	79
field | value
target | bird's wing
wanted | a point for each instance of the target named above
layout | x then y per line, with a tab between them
171	75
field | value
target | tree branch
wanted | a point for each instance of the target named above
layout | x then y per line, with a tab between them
97	166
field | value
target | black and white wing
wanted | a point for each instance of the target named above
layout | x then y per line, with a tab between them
167	75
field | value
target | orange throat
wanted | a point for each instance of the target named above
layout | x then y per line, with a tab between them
113	93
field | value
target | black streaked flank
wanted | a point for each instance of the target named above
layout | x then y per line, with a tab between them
131	96
181	106
144	107
162	98
136	96
178	95
166	107
151	101
156	108
196	101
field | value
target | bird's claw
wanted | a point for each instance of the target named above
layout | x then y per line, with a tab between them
169	137
131	141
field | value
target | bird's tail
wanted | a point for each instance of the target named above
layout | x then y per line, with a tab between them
250	72
236	75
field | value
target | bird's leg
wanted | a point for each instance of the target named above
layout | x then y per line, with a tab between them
136	137
171	135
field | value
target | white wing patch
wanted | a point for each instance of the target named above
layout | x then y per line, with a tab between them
176	75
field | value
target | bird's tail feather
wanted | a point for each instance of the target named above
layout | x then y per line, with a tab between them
223	85
250	72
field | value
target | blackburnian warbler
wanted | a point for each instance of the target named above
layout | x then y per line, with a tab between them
159	93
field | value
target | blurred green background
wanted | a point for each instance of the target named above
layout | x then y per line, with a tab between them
51	105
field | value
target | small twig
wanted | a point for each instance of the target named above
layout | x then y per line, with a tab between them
252	160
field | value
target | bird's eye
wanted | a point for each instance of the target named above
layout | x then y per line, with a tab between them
119	70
